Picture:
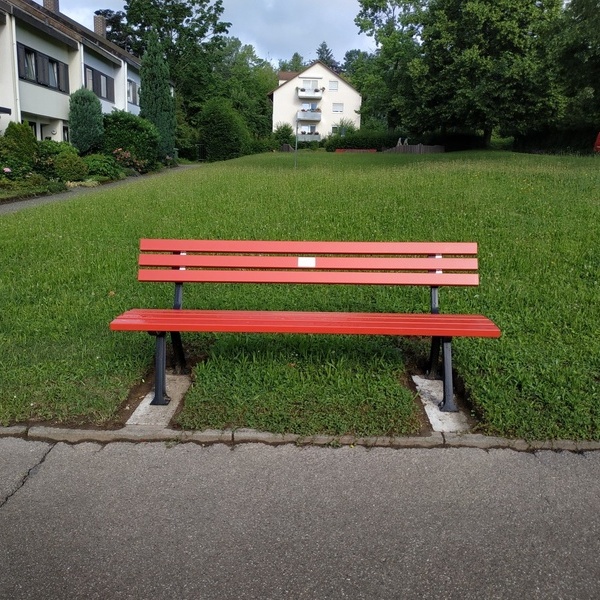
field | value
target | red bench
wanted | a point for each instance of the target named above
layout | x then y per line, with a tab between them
278	262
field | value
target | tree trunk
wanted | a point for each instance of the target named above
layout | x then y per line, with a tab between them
487	136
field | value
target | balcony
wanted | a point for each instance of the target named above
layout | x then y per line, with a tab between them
310	93
314	116
309	137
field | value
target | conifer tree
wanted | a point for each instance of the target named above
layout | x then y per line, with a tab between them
156	101
86	123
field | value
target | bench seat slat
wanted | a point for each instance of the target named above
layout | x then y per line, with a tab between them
357	263
308	247
166	320
308	276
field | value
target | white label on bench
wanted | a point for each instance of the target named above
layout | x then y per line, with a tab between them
439	271
182	254
307	262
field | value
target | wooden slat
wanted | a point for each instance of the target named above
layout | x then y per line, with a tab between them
308	247
156	320
308	276
358	263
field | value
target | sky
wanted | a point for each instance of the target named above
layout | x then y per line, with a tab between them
276	28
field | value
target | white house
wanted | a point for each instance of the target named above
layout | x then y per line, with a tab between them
314	102
45	56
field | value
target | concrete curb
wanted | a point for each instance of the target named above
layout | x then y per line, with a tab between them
141	433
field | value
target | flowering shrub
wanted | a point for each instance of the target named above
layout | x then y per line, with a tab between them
128	161
131	140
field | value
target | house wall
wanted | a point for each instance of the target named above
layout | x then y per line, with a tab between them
8	77
286	103
63	40
45	108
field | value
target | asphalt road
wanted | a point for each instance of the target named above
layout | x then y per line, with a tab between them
149	520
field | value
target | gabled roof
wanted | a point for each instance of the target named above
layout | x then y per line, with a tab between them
299	74
61	27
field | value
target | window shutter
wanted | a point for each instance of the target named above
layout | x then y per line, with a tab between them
63	77
42	64
96	85
110	89
21	59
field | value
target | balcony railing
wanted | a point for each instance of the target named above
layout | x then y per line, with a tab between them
310	93
309	115
309	137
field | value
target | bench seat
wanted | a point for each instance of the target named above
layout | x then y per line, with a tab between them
242	321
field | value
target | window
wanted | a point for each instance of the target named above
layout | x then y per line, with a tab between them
310	84
338	107
53	73
29	65
39	68
333	86
102	85
65	133
89	79
310	106
132	92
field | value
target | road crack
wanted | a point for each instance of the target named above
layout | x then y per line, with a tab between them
32	471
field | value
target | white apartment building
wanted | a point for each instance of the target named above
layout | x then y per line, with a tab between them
45	56
314	102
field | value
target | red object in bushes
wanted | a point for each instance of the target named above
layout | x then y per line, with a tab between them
597	144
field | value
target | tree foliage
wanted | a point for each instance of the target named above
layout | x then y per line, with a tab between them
86	123
224	134
325	55
156	101
578	58
471	65
181	25
294	65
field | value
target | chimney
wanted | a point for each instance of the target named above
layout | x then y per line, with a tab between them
99	24
52	6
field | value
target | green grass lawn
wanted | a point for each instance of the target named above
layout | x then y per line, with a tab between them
69	268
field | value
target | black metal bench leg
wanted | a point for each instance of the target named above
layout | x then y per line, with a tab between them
434	355
447	404
160	371
178	352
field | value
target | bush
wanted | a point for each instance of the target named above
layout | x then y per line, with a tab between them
101	165
85	121
70	167
131	140
47	151
574	140
284	134
363	140
224	133
18	150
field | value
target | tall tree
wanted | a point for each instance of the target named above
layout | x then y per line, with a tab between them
325	55
579	61
156	100
468	64
86	123
295	64
246	80
182	27
118	29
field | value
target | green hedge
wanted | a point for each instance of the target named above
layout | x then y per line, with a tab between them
132	141
362	140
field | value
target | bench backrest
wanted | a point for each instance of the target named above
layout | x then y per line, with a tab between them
370	263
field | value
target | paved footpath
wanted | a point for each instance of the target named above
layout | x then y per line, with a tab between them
185	521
